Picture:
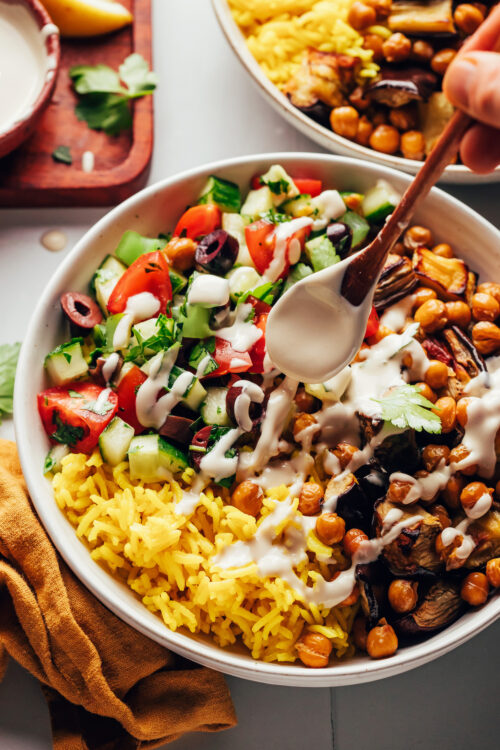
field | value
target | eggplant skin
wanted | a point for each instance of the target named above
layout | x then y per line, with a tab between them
396	87
439	607
413	554
399	453
486	534
352	504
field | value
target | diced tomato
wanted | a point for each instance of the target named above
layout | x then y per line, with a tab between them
373	324
258	305
258	350
149	273
229	359
127	393
198	221
255	182
308	187
73	414
261	243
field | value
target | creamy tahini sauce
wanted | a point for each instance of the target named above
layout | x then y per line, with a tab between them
151	410
209	291
242	334
250	392
139	307
110	366
286	248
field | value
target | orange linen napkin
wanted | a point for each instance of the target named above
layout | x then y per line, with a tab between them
107	686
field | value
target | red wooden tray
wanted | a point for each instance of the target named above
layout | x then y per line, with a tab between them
30	177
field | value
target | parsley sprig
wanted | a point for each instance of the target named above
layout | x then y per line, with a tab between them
167	332
405	407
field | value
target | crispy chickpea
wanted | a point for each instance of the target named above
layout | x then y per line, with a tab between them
452	490
399	249
490	288
422	50
247	497
359	633
353	540
374	42
458	313
360	16
431	315
358	99
380	333
381	641
423	294
446	409
305	402
442	59
344	121
436	374
413	145
314	649
426	392
344	452
417	236
486	337
493	572
397	48
432	455
385	138
310	498
473	492
460	453
398	491
365	129
382	7
330	528
180	252
475	589
402	595
301	422
484	307
462	406
468	18
443	250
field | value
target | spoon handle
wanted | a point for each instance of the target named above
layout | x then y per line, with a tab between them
364	268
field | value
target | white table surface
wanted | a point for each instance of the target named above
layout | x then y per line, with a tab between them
206	109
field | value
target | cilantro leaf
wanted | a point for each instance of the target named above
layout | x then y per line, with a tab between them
9	354
62	154
108	112
199	352
74	394
66	433
278	187
167	332
89	79
404	406
275	216
134	72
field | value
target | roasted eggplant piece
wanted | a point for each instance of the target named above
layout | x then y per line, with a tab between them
372	581
177	429
398	453
396	281
352	504
447	276
396	87
425	18
322	77
440	606
413	553
486	533
436	350
465	354
434	115
373	481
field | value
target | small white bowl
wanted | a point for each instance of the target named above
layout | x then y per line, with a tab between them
455	173
157	209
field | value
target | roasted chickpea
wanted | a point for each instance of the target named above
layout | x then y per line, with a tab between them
436	374
417	236
382	7
381	641
422	50
360	16
432	455
431	315
458	313
443	250
374	42
330	528
486	337
446	409
385	138
359	633
442	59
462	406
475	589
399	249
345	452
301	422
310	498
468	18
423	294
358	99
314	649
180	252
426	392
305	402
399	490
473	492
402	595
440	512
397	48
452	490
484	307
379	117
380	333
365	129
460	453
344	121
353	539
413	145
490	288
354	200
493	572
247	497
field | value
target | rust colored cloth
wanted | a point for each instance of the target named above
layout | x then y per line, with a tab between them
107	686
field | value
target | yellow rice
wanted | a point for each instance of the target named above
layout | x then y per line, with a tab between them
165	558
278	32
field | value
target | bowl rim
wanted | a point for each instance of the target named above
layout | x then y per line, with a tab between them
209	654
327	138
52	46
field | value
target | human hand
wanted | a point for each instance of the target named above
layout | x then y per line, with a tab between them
472	83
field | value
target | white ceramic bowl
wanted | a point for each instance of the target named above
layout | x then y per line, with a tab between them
151	211
455	173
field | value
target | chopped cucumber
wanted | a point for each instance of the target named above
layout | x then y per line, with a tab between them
223	193
241	280
297	273
146	330
359	227
321	253
111	326
213	409
257	202
104	280
99	335
195	392
380	201
195	322
333	389
66	362
280	184
153	459
115	440
132	245
177	280
299	206
54	457
234	224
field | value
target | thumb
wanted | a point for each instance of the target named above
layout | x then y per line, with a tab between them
472	83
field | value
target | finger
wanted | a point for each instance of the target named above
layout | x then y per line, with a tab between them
473	84
487	37
480	148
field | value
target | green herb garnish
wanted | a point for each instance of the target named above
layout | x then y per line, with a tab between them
66	433
404	406
9	354
62	154
167	332
201	350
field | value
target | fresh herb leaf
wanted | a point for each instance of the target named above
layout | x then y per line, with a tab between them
135	73
9	354
404	406
107	112
74	394
200	351
167	333
62	154
278	187
275	216
89	79
267	293
49	463
66	433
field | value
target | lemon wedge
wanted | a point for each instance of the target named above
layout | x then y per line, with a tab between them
87	17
